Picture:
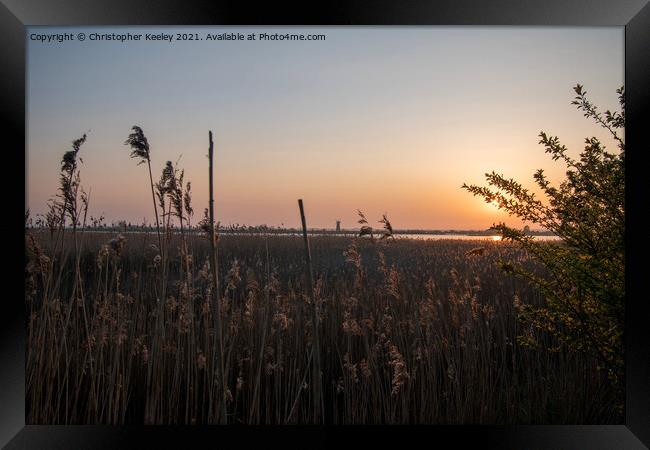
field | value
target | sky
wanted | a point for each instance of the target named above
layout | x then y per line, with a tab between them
382	119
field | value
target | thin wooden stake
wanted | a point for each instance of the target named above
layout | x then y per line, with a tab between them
215	277
316	378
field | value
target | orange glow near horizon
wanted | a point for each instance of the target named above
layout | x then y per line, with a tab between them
385	120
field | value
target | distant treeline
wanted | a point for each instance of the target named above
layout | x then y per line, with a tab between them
265	229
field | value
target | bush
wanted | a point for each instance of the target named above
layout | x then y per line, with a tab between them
585	286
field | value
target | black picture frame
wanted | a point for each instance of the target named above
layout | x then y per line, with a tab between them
15	15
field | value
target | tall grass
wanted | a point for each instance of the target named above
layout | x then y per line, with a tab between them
411	332
153	328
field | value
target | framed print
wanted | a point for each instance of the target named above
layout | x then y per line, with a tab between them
376	223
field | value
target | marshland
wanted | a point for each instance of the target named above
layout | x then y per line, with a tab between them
187	310
182	324
411	332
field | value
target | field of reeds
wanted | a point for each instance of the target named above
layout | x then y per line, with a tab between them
178	324
409	331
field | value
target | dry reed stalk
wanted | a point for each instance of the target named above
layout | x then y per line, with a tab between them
140	149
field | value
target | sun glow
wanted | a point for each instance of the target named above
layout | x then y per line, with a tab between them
496	238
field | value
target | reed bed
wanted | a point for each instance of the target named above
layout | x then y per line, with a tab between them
411	331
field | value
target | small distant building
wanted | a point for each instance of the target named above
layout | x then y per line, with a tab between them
338	226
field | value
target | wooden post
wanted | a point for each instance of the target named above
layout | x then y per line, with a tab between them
216	292
316	374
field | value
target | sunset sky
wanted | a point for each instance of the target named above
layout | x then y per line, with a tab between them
384	119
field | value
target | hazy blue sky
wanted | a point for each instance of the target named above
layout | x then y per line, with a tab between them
385	119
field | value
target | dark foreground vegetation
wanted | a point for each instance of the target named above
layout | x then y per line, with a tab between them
410	332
